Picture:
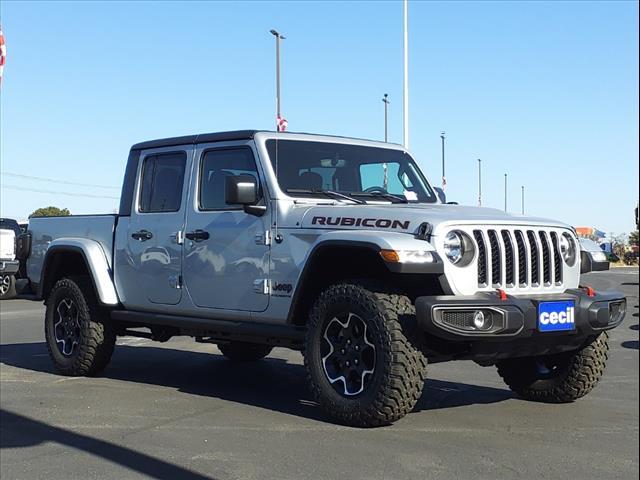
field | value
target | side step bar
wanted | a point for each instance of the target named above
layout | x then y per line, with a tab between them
217	330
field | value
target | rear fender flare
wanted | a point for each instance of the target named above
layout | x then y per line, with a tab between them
95	261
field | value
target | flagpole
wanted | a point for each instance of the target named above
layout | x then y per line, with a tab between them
406	77
278	115
444	178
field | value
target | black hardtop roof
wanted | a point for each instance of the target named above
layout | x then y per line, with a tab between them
219	137
198	138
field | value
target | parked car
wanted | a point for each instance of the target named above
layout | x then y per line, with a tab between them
333	246
9	265
594	259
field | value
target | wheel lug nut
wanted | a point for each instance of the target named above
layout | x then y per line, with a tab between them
356	361
349	342
357	348
342	351
348	363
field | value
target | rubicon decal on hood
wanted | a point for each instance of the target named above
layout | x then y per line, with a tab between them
362	222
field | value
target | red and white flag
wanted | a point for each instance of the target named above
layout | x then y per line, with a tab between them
3	53
282	124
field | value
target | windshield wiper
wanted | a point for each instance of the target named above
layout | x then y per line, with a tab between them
328	193
388	196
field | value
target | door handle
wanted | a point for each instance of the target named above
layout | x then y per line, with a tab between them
142	235
197	235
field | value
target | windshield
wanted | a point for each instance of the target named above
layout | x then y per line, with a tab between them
306	169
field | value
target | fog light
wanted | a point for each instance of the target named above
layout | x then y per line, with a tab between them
479	320
617	312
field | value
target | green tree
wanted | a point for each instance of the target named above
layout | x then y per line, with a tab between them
51	212
634	238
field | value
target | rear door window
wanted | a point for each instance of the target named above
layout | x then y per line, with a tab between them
162	182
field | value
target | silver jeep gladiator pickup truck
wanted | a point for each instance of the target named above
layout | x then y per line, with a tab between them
333	246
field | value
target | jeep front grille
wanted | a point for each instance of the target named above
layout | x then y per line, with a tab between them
518	258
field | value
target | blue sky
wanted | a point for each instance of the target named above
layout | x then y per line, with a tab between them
547	92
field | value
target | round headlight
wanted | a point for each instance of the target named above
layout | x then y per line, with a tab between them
568	249
454	247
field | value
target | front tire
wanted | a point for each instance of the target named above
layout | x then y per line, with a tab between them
559	378
362	367
80	338
244	352
7	287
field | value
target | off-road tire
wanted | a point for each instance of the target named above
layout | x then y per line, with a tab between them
400	368
8	290
244	352
578	373
97	336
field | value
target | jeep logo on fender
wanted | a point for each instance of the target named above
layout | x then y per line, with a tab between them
286	288
361	222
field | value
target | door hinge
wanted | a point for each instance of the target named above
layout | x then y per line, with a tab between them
178	237
263	238
175	281
261	286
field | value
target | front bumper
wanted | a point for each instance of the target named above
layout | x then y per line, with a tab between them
9	267
516	318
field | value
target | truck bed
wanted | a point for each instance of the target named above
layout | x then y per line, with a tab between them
45	230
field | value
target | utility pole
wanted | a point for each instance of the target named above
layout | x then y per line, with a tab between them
386	102
505	192
444	179
278	113
522	199
405	90
479	182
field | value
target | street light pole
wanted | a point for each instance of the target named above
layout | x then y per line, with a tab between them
386	105
479	182
405	90
444	179
522	199
278	38
505	192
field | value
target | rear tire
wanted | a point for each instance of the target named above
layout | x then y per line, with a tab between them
560	378
362	366
7	287
244	352
80	337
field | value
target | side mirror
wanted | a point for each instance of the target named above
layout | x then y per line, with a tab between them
441	195
243	190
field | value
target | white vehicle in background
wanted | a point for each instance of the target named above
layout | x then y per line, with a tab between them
9	265
594	259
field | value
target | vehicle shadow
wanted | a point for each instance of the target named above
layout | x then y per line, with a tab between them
18	431
272	383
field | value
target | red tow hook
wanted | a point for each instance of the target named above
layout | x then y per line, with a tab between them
502	295
588	290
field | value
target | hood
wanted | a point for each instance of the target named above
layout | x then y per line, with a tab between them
406	218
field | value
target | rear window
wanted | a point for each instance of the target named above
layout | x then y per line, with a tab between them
162	182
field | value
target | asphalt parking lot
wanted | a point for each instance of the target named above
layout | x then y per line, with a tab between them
179	410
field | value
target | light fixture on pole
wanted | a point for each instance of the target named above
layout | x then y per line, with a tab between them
386	102
281	123
444	179
479	182
405	90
